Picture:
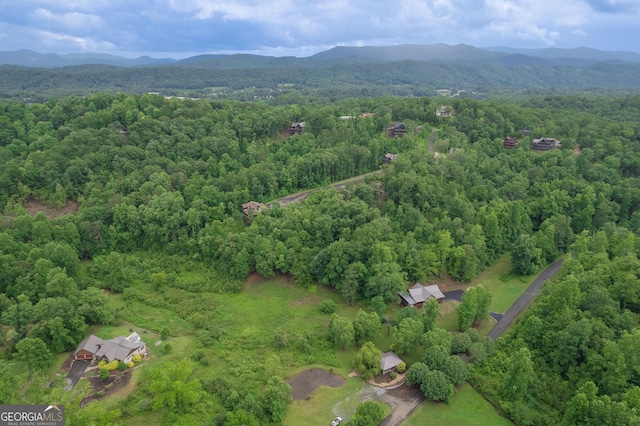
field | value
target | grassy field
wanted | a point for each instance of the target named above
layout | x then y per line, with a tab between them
468	408
240	329
504	288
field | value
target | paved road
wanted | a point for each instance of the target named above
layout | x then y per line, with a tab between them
524	300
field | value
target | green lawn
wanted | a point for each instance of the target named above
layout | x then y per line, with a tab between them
468	408
504	289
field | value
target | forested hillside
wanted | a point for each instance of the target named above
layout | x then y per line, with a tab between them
159	184
247	78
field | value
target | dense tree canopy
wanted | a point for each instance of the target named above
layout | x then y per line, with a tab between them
154	187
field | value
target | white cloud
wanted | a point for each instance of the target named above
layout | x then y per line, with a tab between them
70	20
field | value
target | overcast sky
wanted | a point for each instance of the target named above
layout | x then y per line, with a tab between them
181	28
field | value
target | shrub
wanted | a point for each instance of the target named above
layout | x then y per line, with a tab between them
393	376
99	393
104	374
165	333
328	306
166	348
122	366
401	367
130	364
136	358
112	365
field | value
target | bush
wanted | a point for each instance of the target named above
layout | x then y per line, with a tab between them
166	348
165	333
328	306
104	374
393	376
99	393
112	365
122	366
130	364
401	367
136	358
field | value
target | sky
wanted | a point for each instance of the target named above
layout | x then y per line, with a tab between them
183	28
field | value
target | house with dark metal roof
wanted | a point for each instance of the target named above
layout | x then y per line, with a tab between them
545	144
117	349
418	294
398	129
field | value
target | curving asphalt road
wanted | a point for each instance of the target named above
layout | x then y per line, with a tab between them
524	300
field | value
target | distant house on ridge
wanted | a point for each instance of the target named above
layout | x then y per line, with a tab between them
509	142
444	111
388	158
398	129
545	144
252	208
297	128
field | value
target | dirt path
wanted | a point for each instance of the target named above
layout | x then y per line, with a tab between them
300	196
524	300
432	140
403	401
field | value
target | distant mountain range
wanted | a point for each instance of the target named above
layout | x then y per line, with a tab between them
405	70
29	58
460	53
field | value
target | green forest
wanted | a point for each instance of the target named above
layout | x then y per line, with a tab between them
141	228
246	77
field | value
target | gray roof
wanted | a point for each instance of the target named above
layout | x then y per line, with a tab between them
389	360
114	349
421	293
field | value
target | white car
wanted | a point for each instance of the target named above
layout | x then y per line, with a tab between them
336	421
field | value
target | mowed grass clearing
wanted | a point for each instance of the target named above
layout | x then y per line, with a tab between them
468	408
504	288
